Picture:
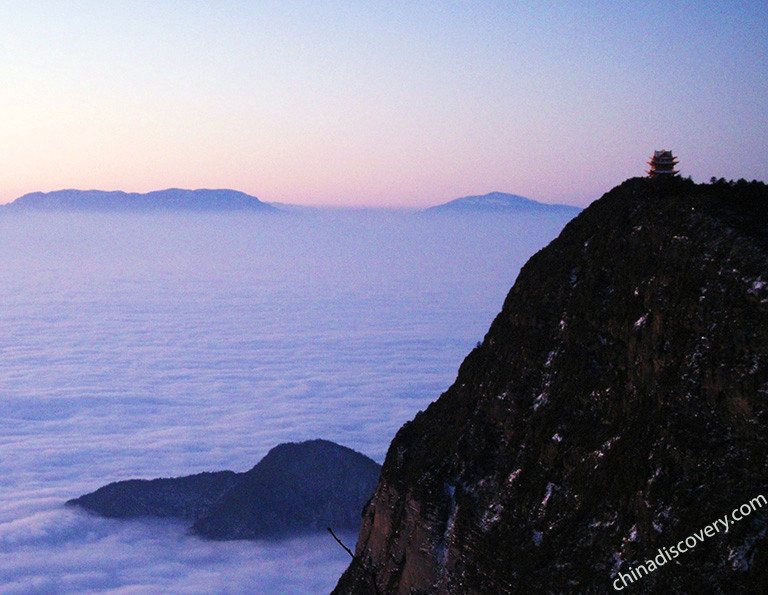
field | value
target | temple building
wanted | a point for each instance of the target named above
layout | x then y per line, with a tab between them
662	164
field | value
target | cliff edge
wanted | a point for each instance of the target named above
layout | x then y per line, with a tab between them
616	406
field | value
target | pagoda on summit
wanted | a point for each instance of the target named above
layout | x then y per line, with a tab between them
662	164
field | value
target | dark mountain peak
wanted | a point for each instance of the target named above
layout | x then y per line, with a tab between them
616	406
301	456
497	203
172	199
296	488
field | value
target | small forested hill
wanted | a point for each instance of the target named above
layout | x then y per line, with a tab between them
617	405
296	488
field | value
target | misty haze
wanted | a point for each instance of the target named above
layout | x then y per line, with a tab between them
245	283
156	345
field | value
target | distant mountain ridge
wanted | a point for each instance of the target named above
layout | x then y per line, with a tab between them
499	202
172	199
207	200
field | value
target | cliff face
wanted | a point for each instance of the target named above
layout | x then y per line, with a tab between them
616	406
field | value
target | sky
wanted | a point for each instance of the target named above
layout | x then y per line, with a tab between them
402	104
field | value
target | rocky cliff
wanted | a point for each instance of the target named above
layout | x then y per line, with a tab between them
616	406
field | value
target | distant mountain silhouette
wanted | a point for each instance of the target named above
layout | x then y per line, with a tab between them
499	202
296	488
173	199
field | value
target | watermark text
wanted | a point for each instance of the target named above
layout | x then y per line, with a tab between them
664	555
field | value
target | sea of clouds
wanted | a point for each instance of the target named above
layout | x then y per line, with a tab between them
168	344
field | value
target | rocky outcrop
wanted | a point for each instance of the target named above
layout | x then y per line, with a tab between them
296	488
616	406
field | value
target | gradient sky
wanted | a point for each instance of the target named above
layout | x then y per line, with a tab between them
378	103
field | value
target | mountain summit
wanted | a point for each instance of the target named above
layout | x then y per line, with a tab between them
616	409
499	203
173	199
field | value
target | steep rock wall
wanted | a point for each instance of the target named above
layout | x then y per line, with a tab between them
616	405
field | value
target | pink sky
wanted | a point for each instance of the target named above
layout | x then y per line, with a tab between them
396	104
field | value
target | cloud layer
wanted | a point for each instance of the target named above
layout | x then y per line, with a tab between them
144	347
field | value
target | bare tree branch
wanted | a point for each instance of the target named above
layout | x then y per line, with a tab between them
370	571
349	551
